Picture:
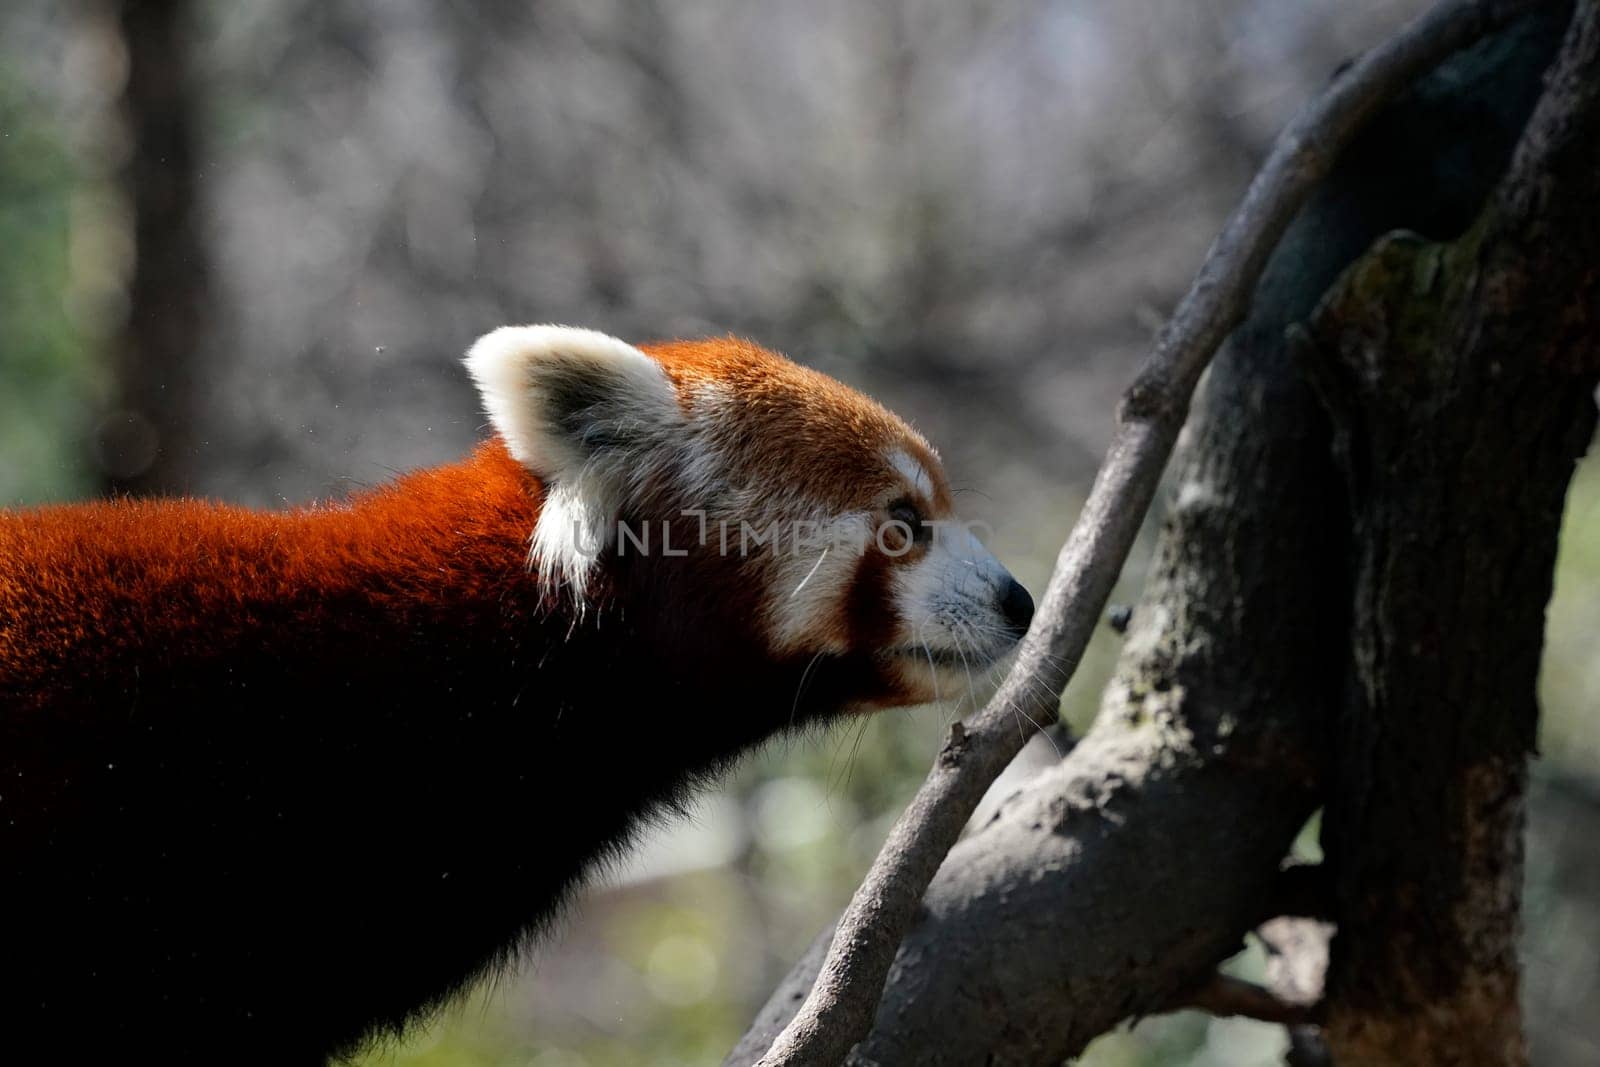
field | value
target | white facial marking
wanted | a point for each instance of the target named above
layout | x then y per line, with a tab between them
814	565
950	599
912	470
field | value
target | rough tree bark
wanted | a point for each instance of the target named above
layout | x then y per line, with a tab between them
839	1009
1112	884
1090	894
1461	377
145	445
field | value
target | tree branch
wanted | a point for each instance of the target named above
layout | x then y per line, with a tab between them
1460	378
844	999
1226	996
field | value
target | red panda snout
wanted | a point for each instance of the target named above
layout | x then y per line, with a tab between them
964	610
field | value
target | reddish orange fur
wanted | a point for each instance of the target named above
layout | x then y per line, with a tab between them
174	577
270	780
800	427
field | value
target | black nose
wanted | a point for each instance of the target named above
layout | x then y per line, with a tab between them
1017	606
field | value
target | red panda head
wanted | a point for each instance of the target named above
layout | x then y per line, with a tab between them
725	460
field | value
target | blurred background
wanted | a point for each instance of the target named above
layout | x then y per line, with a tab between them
979	212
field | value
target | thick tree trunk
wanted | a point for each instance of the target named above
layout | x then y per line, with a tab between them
1461	377
146	445
1113	883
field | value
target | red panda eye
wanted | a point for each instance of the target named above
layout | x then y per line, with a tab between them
905	511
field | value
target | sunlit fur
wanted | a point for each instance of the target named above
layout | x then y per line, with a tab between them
269	781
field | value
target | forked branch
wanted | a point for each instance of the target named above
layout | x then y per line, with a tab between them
843	1001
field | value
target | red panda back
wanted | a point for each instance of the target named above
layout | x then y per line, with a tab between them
89	591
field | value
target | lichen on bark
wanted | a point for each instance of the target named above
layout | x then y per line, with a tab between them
1460	378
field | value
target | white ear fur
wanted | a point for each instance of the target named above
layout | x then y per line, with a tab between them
556	393
592	416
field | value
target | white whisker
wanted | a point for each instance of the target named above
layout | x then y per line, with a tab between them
799	690
809	574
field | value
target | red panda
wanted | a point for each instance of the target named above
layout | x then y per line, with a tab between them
273	782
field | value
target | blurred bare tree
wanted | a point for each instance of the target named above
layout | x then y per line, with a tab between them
145	442
920	196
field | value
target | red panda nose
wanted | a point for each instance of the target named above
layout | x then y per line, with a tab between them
1017	606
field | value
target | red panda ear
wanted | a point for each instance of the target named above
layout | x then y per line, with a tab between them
593	417
565	398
